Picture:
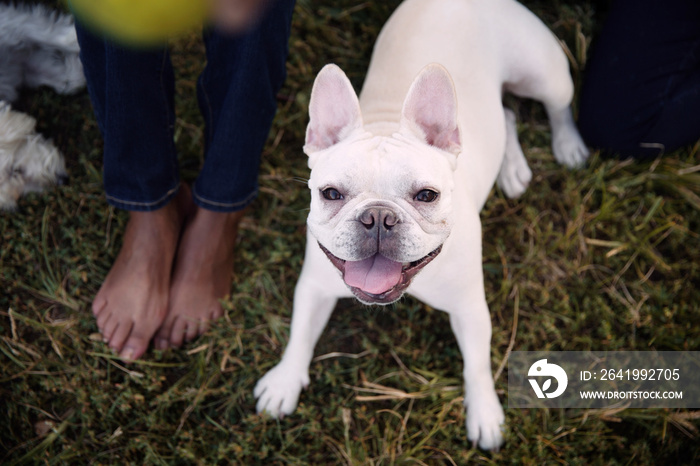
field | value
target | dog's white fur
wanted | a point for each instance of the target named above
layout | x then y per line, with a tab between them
373	160
28	162
38	47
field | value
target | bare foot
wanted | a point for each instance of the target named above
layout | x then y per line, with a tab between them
202	276
133	300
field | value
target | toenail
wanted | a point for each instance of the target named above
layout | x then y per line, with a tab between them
127	354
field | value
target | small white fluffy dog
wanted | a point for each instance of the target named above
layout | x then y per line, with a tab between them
38	47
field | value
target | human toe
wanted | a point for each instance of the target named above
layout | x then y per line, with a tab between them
108	327
119	335
98	305
134	347
178	332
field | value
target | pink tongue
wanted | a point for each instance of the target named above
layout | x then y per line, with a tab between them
374	275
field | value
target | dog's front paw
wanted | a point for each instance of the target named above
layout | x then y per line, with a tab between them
278	391
485	421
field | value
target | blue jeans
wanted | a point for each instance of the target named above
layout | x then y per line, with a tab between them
132	95
641	87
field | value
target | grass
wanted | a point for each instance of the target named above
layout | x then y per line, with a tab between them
602	258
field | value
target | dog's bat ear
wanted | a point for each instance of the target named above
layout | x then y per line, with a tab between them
430	109
334	111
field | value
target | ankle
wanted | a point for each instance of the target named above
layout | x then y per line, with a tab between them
218	221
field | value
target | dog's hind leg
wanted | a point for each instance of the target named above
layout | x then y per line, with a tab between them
515	174
539	69
567	144
554	88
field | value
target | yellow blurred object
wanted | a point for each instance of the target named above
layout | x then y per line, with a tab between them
141	22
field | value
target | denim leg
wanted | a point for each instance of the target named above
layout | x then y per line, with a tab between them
641	88
237	97
132	96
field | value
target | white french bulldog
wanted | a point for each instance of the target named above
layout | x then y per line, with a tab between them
399	176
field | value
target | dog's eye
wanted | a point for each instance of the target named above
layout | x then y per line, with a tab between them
426	195
332	194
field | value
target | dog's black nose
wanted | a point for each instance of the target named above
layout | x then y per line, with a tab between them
379	217
62	179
